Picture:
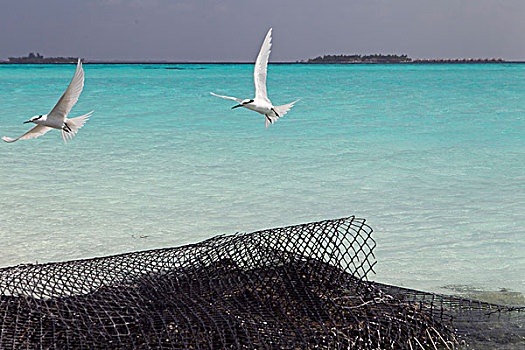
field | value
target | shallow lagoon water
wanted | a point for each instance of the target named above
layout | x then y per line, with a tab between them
431	155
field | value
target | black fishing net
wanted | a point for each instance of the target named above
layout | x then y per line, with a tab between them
298	287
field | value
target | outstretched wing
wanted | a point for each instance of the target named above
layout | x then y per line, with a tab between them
228	97
261	65
70	96
38	130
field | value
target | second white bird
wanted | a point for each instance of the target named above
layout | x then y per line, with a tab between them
261	104
57	118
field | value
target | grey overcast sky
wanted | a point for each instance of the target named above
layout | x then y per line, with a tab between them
232	30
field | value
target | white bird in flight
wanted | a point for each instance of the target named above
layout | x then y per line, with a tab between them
57	118
261	104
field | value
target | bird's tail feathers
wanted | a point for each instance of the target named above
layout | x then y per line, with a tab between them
74	125
283	109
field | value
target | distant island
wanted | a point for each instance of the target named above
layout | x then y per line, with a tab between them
393	59
348	59
39	59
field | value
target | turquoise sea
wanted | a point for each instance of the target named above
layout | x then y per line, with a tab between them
433	156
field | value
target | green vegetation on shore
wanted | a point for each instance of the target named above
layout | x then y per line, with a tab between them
393	59
38	58
377	58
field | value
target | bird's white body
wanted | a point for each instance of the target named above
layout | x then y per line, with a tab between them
261	104
57	118
54	123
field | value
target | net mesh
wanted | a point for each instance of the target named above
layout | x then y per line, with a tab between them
297	287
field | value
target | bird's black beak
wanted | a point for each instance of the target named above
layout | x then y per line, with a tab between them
236	106
27	121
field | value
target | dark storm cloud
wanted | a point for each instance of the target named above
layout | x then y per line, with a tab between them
225	30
